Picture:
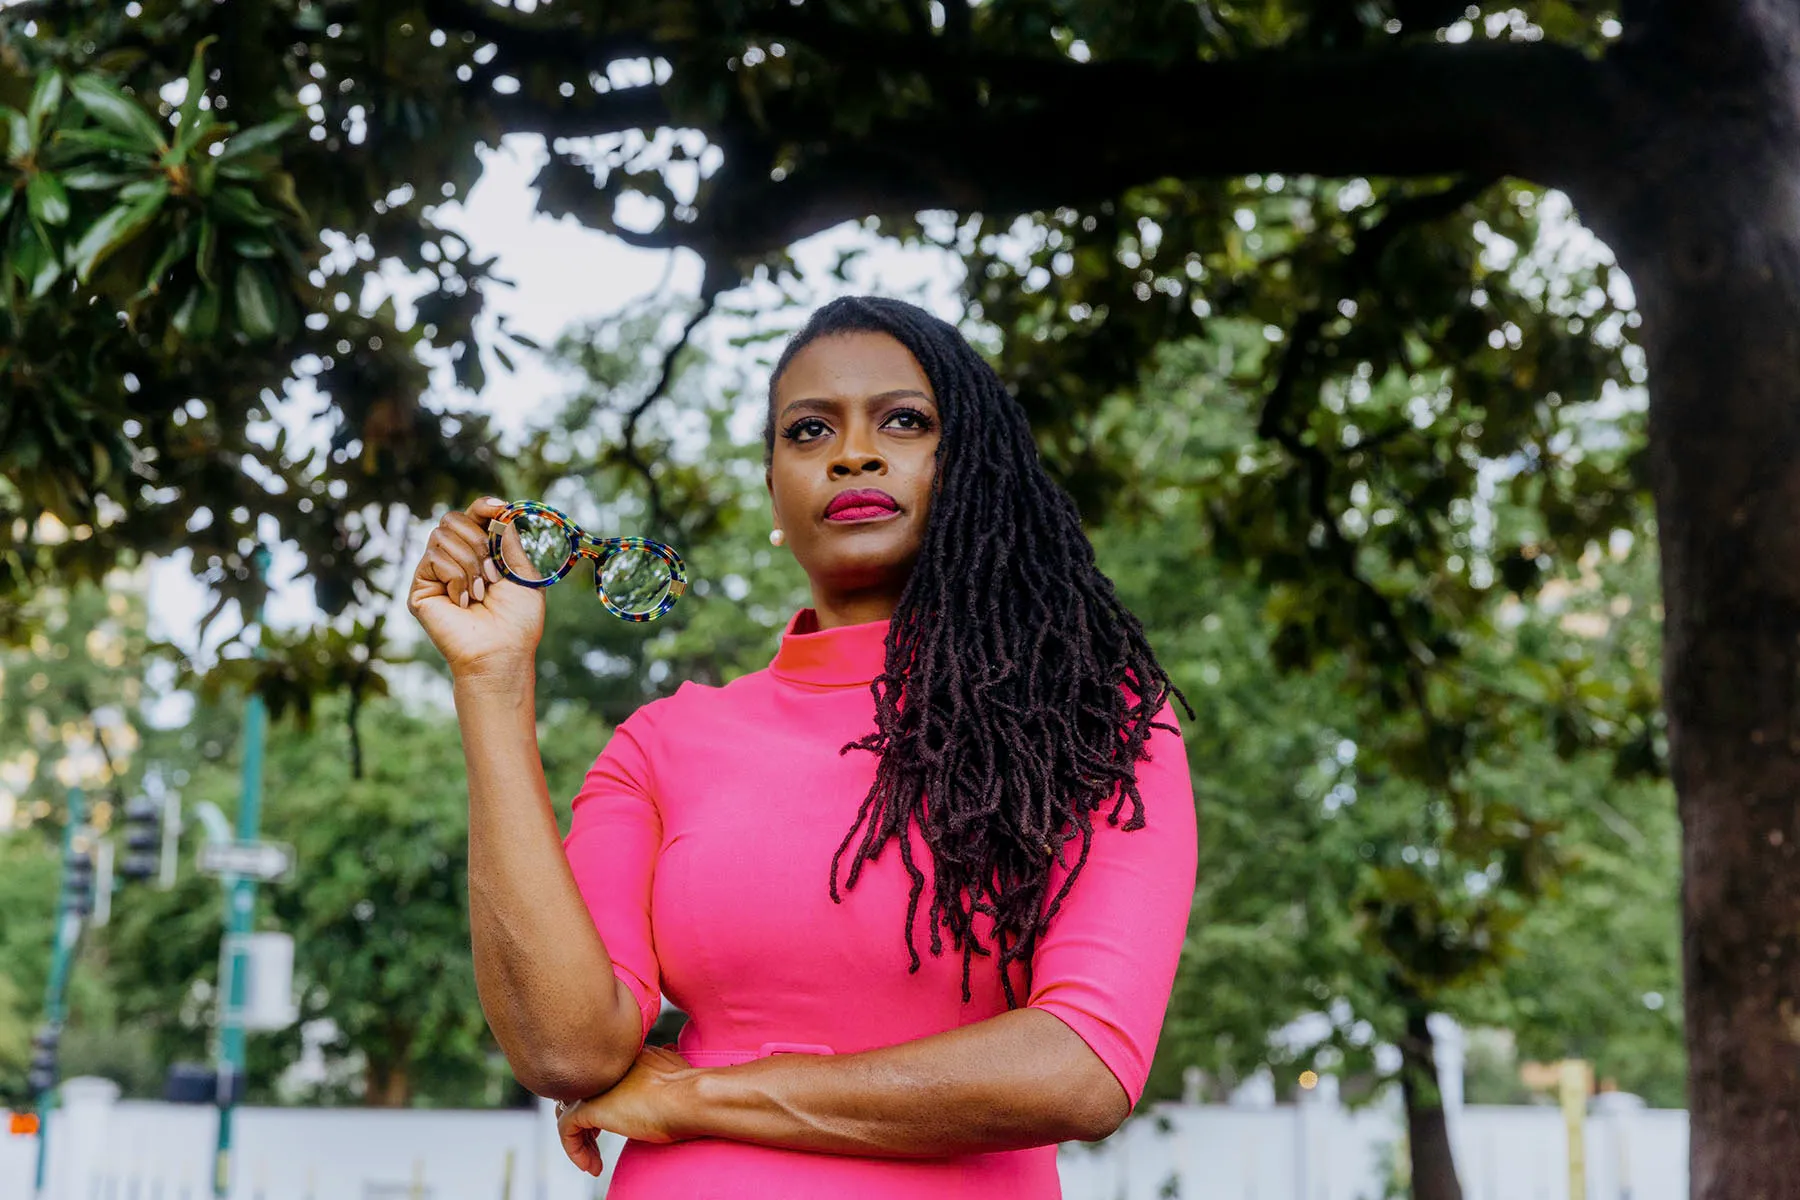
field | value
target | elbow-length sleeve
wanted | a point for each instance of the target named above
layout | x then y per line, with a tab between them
1106	964
615	833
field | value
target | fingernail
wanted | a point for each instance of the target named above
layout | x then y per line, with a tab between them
490	570
465	599
480	587
493	500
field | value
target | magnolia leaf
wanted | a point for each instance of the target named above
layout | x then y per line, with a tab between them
209	240
118	226
196	88
18	134
44	269
198	315
244	170
44	99
119	113
258	304
281	186
250	247
256	137
49	203
178	248
241	205
125	150
94	179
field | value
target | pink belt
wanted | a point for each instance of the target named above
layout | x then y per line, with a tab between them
731	1058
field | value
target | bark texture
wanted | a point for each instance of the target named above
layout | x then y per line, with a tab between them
1433	1161
1702	204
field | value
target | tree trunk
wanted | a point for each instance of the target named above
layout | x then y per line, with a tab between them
1427	1136
1704	214
387	1084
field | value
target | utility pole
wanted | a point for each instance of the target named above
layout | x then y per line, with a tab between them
240	908
72	903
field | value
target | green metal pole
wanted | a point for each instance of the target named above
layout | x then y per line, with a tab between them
240	912
62	955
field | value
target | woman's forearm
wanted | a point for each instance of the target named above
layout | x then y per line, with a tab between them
537	953
1019	1079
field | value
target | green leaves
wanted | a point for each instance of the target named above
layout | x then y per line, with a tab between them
257	137
258	304
44	99
198	315
32	259
119	114
19	140
190	128
94	178
241	205
122	189
48	201
116	228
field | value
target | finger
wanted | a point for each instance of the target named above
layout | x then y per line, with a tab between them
467	558
465	528
486	509
451	542
578	1140
426	593
513	551
447	571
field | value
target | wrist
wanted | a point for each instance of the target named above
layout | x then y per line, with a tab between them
508	679
692	1100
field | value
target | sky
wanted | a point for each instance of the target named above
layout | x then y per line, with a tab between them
561	273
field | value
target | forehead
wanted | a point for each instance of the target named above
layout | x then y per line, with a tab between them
849	366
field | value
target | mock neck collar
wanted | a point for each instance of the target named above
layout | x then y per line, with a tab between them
847	656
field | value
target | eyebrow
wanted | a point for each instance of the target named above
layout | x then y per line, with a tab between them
820	404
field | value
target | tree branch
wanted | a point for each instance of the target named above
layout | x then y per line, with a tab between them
566	40
586	115
1492	109
1277	423
712	286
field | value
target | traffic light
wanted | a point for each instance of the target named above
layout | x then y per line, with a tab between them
78	878
42	1075
143	838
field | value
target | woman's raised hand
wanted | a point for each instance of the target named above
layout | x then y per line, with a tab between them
481	622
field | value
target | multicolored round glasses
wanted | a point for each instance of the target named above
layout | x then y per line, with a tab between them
637	579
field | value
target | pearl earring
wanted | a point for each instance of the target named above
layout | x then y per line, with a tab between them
776	537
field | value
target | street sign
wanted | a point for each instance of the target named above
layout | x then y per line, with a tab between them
247	860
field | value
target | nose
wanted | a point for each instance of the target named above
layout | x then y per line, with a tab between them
851	465
857	459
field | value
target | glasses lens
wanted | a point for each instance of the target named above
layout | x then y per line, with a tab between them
542	549
635	580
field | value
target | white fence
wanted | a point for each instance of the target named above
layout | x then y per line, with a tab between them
105	1149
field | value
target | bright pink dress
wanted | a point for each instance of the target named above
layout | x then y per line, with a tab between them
702	843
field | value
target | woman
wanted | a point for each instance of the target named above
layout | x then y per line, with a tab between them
728	850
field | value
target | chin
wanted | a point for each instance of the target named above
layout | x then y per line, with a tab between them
868	566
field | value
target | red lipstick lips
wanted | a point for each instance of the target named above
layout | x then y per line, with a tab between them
861	504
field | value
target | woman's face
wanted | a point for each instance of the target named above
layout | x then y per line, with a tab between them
854	413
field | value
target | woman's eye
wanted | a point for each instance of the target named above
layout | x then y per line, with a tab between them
802	426
918	419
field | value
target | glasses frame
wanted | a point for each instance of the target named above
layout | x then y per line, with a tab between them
583	544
